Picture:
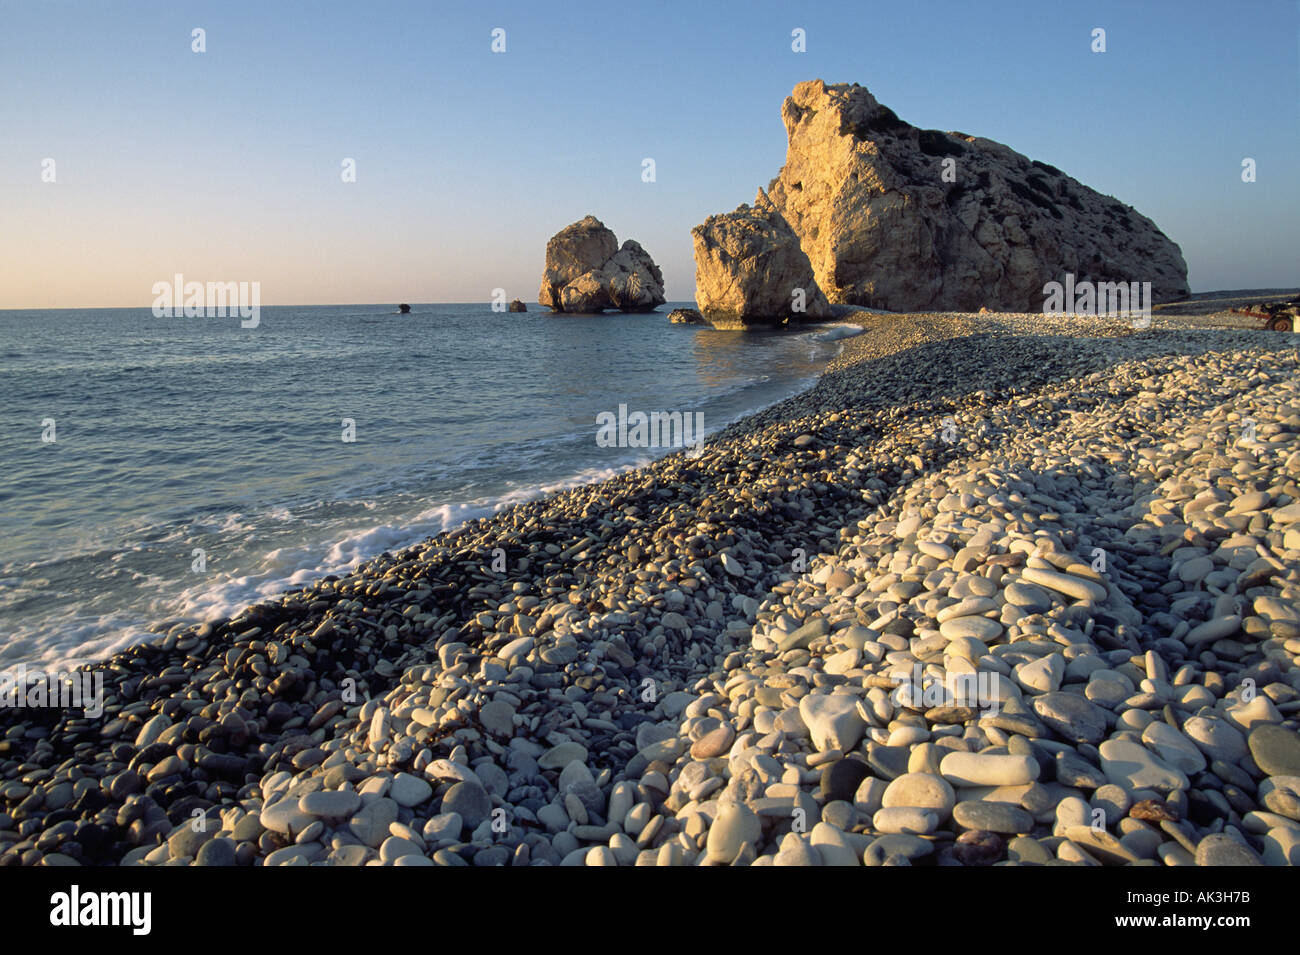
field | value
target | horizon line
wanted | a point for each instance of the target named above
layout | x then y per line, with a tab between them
74	308
394	303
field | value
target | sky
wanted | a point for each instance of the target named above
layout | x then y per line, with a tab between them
226	165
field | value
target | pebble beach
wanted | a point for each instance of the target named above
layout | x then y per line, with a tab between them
999	590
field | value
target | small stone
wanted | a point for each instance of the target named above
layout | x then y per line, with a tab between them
714	743
1196	569
735	826
973	769
470	801
371	822
888	762
285	817
1028	598
184	842
216	852
1220	849
977	628
885	847
1100	844
1212	630
1153	810
1281	794
394	847
969	607
796	850
977	847
330	804
497	717
557	757
1073	770
992	817
833	846
1112	800
1043	675
1216	738
151	730
1281	846
1067	584
448	826
840	663
800	638
833	720
920	791
1275	749
672	621
900	819
1132	766
1173	747
1250	501
1024	850
1071	716
409	791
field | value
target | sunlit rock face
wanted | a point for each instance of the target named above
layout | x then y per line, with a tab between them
907	219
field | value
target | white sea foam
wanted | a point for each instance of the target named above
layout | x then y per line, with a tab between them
68	640
837	332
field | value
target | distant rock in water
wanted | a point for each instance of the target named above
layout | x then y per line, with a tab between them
518	306
404	309
686	316
909	219
750	270
586	271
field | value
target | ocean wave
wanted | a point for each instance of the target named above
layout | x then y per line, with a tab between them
837	332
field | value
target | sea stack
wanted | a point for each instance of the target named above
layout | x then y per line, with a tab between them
907	219
404	309
586	271
750	270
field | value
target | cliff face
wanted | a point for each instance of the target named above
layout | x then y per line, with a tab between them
907	219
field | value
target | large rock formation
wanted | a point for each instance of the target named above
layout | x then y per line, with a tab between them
884	227
586	271
750	270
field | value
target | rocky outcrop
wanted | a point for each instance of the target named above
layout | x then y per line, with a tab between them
686	316
910	219
587	271
750	270
633	281
517	306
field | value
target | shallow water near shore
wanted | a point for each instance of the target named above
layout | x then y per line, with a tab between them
199	466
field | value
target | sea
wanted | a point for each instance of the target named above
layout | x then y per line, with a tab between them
163	470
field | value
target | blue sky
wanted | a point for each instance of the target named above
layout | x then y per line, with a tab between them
226	165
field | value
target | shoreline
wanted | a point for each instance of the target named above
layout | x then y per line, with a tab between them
661	573
308	533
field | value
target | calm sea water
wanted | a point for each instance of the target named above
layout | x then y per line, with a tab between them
179	435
